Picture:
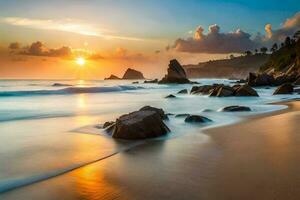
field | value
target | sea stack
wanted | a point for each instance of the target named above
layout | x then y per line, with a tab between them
112	77
133	74
176	74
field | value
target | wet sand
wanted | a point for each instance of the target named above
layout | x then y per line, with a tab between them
258	158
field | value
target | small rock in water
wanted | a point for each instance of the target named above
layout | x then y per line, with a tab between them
135	82
196	119
170	96
184	91
235	109
286	88
207	110
182	115
107	124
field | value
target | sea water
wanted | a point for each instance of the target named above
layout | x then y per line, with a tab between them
47	129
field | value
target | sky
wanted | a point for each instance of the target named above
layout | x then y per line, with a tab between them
43	39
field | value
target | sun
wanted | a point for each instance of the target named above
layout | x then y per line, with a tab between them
80	61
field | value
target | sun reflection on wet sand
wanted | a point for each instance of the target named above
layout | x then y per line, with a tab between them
91	184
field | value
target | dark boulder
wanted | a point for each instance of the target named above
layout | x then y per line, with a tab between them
60	85
133	74
222	91
139	125
184	91
286	88
112	77
235	109
170	96
196	119
203	89
176	74
260	79
160	111
245	90
151	81
297	82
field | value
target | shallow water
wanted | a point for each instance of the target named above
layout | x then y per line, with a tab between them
47	130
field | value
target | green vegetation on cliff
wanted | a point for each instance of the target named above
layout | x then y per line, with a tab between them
285	57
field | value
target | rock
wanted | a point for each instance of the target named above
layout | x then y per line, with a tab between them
60	85
135	82
260	79
139	125
286	88
133	74
176	74
203	89
222	91
235	109
196	119
184	91
112	77
160	111
207	110
182	115
297	82
170	96
245	90
151	81
107	124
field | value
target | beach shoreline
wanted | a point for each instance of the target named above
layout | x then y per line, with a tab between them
238	161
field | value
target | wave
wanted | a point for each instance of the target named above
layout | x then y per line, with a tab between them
69	90
7	185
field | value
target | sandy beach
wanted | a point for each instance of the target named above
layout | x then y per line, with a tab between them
257	158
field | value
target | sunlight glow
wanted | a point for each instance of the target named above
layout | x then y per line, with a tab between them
80	61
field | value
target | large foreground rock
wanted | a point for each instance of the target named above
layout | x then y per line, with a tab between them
160	111
133	74
286	88
176	74
139	125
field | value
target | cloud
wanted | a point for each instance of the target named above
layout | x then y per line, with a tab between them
39	49
234	42
66	25
215	41
289	27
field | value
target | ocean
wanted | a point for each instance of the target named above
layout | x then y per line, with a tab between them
48	127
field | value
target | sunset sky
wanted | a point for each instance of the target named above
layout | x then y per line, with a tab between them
44	39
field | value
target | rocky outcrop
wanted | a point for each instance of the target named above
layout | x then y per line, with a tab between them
133	74
176	74
112	77
184	91
203	89
220	90
245	90
142	124
235	109
151	81
196	119
286	88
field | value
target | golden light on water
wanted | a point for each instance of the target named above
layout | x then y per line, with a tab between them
80	61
